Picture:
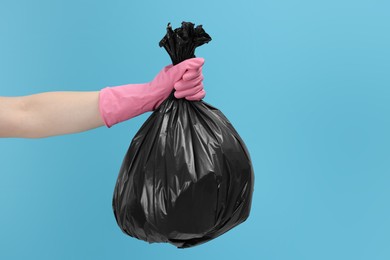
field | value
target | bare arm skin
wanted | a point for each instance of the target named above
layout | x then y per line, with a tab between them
49	114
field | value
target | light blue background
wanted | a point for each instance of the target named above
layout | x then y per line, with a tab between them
305	83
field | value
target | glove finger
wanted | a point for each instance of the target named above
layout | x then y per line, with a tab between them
182	84
192	74
188	92
198	96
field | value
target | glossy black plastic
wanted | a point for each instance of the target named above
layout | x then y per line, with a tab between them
187	176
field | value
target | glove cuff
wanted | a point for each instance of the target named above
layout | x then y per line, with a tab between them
120	103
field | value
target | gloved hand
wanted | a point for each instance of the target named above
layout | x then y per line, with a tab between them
120	103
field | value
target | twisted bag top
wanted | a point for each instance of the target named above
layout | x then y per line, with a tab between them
187	176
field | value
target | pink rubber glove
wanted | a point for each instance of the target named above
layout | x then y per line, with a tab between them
120	103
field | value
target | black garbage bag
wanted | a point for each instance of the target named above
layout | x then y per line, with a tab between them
187	176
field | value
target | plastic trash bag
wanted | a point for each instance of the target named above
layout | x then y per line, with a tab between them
187	176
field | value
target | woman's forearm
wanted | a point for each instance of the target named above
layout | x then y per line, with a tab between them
53	113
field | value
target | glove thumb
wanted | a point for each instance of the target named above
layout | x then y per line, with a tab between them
177	71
